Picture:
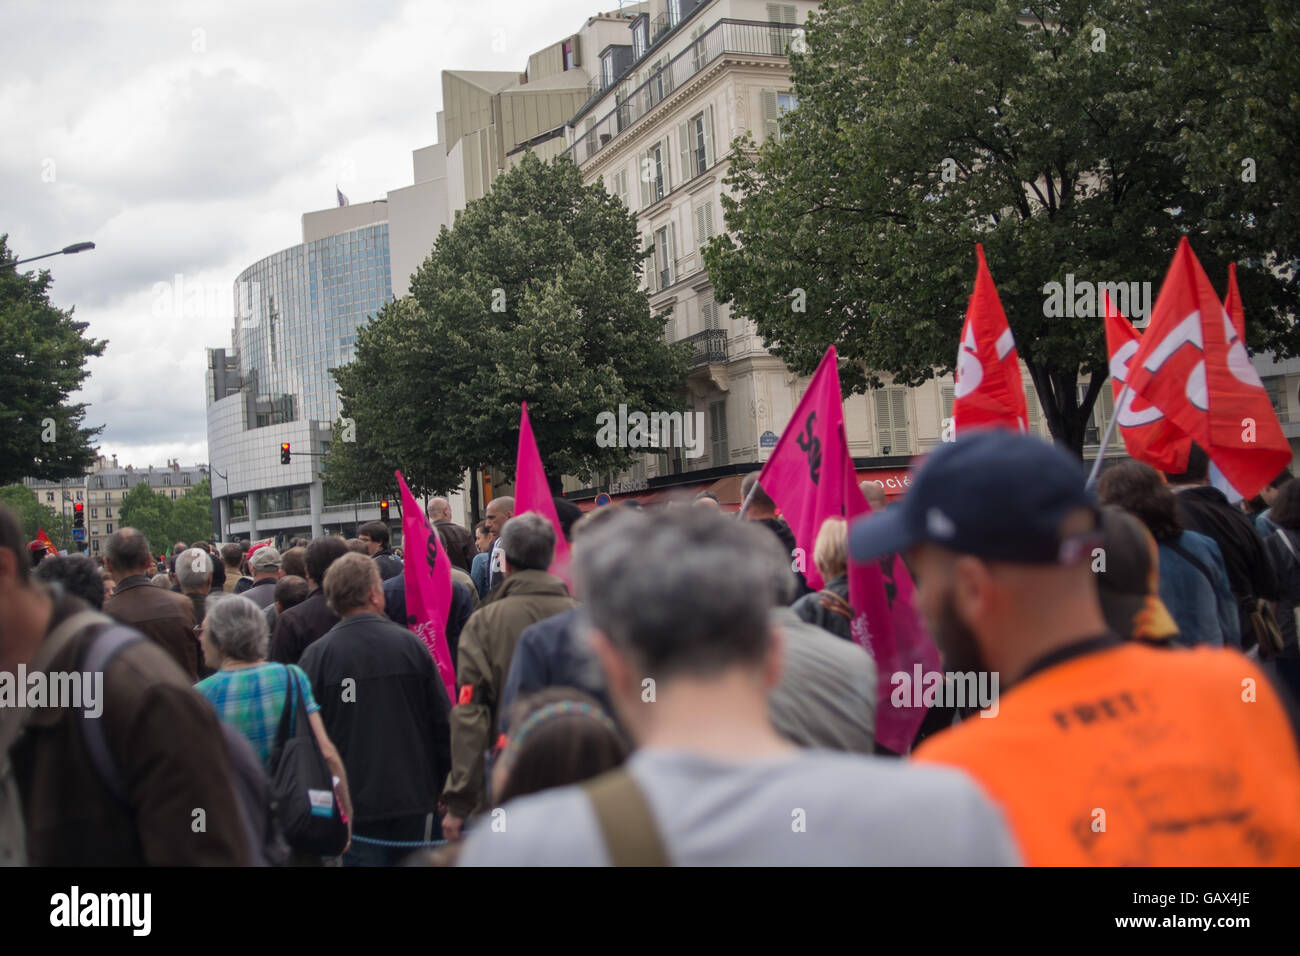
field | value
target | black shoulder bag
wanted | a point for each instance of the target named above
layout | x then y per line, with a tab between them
302	786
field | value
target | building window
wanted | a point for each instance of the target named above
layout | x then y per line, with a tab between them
664	257
718	433
708	311
640	38
94	545
786	15
78	495
703	223
94	512
654	174
108	529
108	512
607	70
568	55
1275	385
173	494
775	105
108	496
49	496
891	421
674	13
696	137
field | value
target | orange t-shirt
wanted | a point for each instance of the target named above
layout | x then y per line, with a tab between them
1139	756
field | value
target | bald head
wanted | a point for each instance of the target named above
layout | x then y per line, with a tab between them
499	511
439	509
875	495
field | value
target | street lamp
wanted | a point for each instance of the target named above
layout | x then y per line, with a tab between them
65	251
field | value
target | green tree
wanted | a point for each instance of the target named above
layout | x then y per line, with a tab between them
150	514
43	354
1067	137
532	295
33	514
191	516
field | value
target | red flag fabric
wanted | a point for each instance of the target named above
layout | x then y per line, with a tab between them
988	389
1148	435
533	493
1192	365
810	477
1247	446
427	577
44	539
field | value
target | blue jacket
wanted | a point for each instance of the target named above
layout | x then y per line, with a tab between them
1202	607
481	572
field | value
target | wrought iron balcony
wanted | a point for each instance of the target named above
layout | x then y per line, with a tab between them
710	347
726	36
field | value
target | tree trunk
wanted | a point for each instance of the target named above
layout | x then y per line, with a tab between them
1058	393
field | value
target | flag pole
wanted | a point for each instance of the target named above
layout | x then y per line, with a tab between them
1110	431
748	498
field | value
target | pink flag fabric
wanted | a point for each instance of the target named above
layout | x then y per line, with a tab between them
532	493
811	477
428	585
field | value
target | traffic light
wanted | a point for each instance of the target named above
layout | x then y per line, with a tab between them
78	515
284	453
383	511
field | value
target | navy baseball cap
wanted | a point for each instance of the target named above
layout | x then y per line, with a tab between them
994	494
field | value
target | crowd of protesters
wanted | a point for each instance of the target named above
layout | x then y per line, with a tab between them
689	699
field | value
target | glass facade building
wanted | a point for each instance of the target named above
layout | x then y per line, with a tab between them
297	313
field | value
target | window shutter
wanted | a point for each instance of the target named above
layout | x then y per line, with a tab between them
1103	410
898	414
708	311
771	126
667	167
947	393
884	431
1035	412
708	136
703	223
647	243
718	429
645	176
684	151
672	252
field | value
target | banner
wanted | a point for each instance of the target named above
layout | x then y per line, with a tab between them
988	390
427	576
533	493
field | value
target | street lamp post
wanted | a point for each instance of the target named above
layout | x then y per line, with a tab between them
65	251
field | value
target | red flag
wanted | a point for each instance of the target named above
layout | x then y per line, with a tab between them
810	476
533	493
1193	366
1148	435
44	539
988	388
427	576
1247	446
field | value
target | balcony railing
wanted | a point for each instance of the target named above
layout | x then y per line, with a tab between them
725	36
710	347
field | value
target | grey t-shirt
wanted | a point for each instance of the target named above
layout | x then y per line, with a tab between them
812	808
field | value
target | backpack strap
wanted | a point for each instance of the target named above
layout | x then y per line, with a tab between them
103	648
626	822
1191	559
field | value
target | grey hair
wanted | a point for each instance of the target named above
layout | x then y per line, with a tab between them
528	541
237	627
686	592
194	568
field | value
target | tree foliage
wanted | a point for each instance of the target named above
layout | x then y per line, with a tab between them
531	295
1068	137
34	514
164	521
43	354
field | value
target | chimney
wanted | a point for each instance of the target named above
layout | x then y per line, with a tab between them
114	459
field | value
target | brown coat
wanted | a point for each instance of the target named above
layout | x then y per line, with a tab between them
169	749
165	617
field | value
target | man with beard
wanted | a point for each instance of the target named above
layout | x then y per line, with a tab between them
1103	751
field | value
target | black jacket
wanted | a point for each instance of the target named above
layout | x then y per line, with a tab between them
828	608
1250	571
551	653
299	626
390	721
390	565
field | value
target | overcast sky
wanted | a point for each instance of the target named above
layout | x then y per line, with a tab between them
186	137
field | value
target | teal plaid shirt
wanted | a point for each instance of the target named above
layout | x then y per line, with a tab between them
251	699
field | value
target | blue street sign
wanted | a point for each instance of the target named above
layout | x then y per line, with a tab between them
78	534
602	499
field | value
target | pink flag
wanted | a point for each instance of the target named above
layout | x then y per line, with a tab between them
427	572
532	493
811	477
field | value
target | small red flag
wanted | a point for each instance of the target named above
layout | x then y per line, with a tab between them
989	390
